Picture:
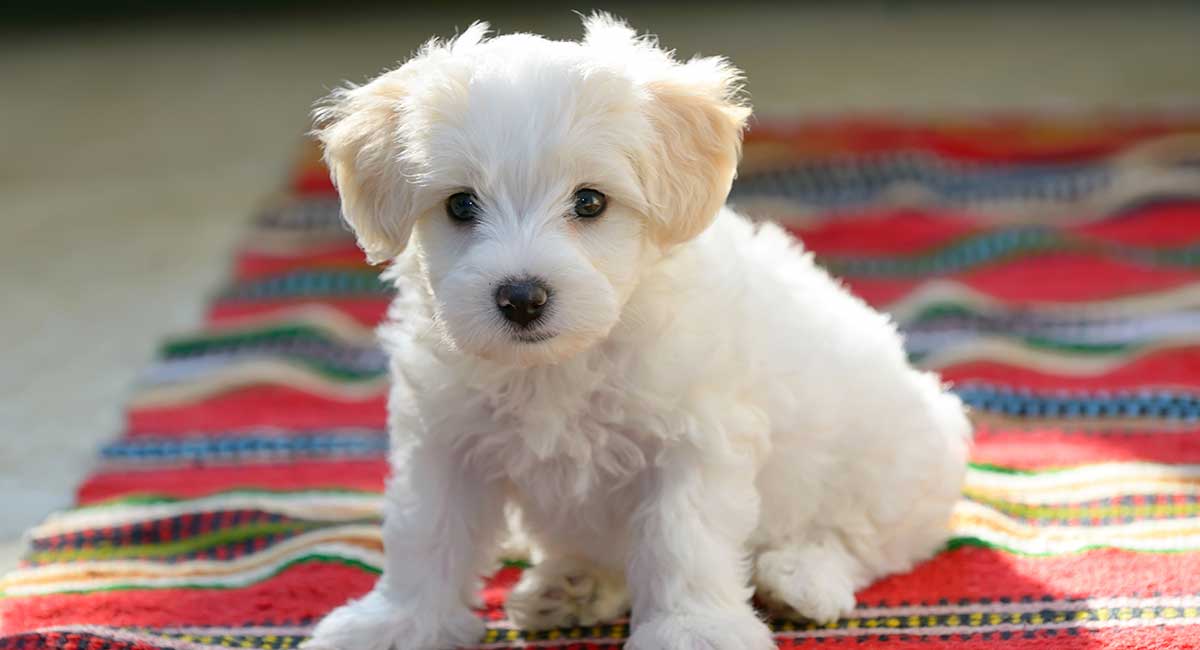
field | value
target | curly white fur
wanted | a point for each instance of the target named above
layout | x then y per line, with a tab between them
710	412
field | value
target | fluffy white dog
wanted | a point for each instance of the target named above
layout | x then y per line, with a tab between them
682	406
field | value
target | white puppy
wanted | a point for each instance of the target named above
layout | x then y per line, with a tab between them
683	407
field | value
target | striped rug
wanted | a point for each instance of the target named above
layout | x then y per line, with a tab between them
1049	268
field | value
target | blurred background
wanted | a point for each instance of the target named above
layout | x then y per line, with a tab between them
138	138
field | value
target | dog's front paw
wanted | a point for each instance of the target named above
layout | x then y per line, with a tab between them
702	630
562	593
376	622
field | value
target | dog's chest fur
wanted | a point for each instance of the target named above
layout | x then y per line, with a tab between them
570	430
570	440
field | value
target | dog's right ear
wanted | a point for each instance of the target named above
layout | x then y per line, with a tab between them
361	132
365	137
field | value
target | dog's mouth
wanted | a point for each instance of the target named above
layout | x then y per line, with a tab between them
532	337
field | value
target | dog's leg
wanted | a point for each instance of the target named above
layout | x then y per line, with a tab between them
440	523
563	592
688	573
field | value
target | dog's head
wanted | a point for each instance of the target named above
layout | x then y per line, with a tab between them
538	178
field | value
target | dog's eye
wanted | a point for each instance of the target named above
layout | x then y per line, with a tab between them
462	206
589	203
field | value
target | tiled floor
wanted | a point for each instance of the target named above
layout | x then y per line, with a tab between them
133	154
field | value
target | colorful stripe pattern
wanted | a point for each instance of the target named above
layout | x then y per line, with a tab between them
1049	269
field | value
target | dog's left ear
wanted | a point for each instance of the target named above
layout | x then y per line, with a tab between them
698	117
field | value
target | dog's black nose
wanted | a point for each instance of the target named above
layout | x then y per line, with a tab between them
522	301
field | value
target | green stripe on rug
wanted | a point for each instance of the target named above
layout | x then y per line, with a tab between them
104	550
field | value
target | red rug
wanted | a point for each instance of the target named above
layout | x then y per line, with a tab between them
1049	268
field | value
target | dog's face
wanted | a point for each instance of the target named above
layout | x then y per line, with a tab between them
539	177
